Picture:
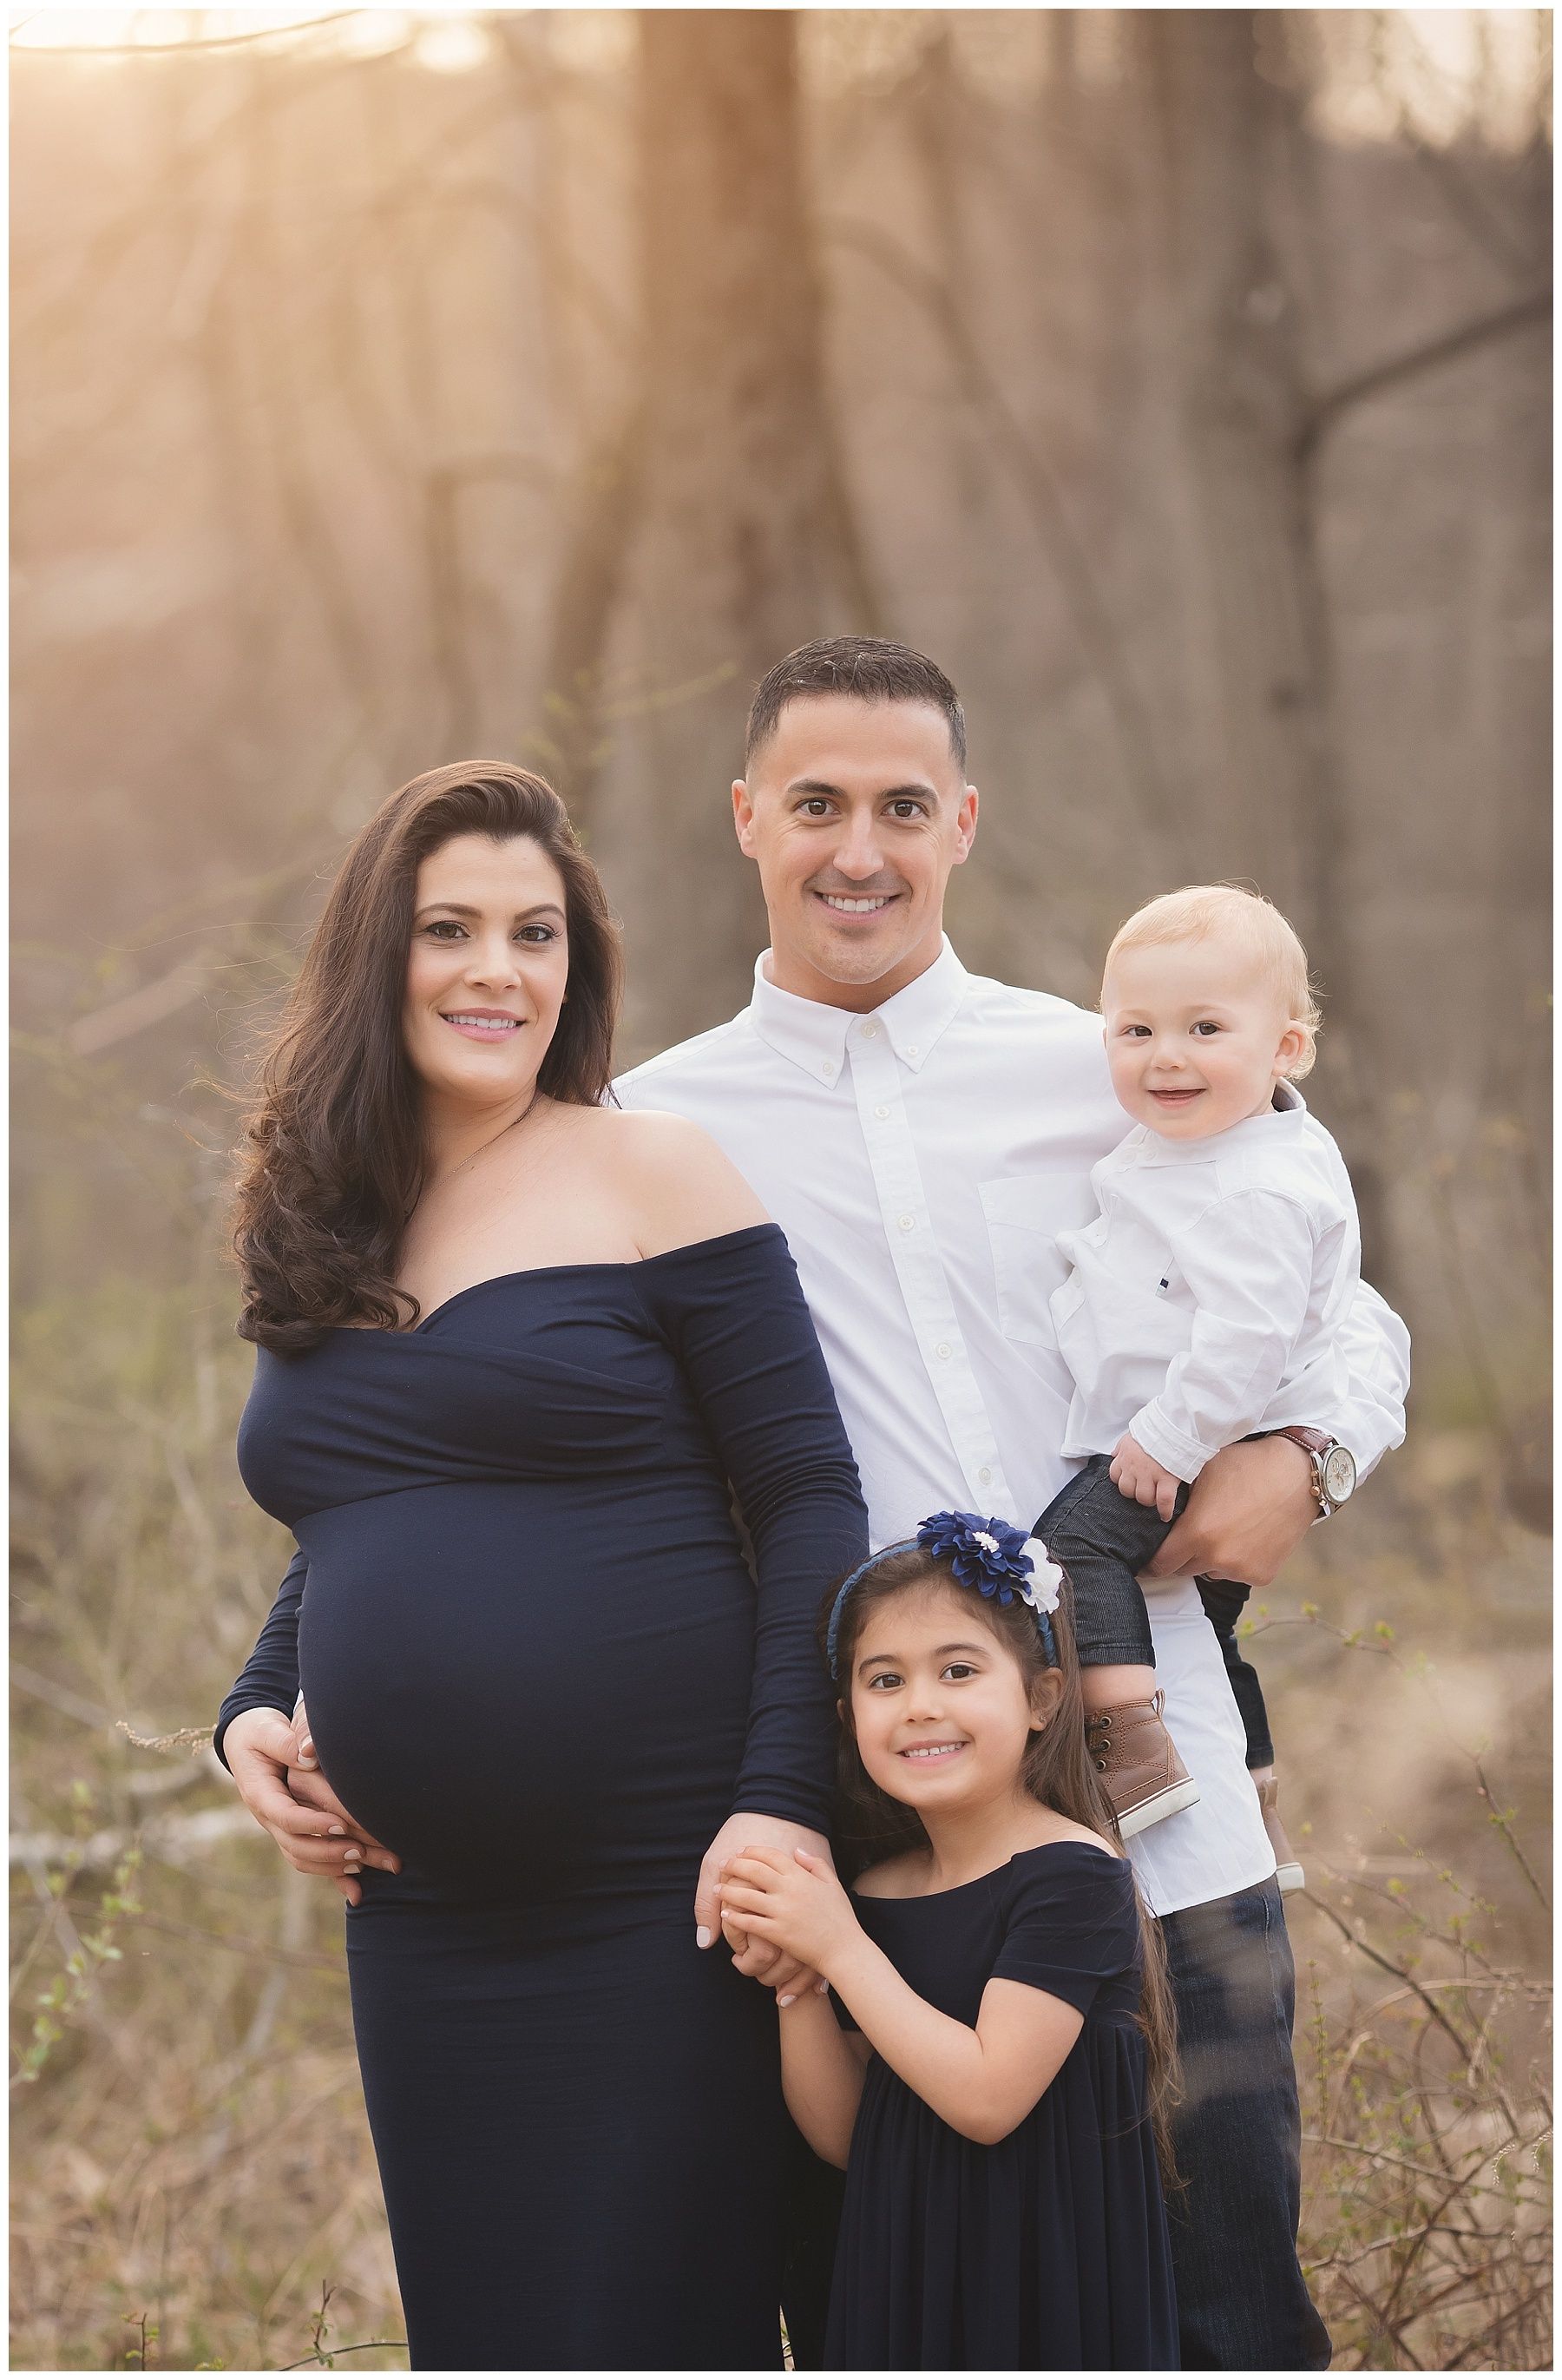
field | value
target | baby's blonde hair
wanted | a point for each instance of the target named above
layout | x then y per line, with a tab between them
1200	910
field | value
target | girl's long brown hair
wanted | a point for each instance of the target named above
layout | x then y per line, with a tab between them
1058	1771
334	1151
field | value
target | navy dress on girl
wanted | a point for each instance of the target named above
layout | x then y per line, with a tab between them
1046	2251
537	1666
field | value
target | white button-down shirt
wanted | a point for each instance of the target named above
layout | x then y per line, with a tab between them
923	1161
1206	1298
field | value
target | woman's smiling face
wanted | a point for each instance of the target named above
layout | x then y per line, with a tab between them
486	971
939	1707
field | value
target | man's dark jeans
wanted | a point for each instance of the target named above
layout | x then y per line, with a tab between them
1241	2302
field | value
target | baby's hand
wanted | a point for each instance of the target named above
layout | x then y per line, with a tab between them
1138	1475
792	1900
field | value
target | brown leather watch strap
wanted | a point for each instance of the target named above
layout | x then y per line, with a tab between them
1312	1441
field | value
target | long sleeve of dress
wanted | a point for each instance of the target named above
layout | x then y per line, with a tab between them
269	1680
734	1312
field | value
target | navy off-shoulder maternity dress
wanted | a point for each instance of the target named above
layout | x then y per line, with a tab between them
1047	2251
535	1666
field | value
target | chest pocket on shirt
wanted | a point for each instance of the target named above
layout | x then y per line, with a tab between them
1024	1215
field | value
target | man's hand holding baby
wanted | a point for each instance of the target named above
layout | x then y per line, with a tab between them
1142	1478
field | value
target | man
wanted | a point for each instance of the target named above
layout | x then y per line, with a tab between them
922	1136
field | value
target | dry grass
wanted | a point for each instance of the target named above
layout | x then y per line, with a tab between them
194	2180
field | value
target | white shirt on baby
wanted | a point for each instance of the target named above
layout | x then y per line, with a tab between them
1206	1299
923	1161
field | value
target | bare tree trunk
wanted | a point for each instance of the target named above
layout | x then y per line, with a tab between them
1278	809
745	546
942	124
1240	403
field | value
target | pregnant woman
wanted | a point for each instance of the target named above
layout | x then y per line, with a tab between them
517	1353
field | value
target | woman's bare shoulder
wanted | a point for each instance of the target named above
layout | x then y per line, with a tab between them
678	1185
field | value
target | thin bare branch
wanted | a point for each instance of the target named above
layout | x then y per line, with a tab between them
1430	355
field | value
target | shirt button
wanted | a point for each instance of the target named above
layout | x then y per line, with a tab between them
984	1476
869	1030
912	1051
943	1348
882	1113
908	1222
827	1069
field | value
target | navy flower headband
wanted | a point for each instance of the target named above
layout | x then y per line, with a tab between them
991	1556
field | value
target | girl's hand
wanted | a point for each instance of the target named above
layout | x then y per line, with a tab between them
1140	1476
777	1970
796	1902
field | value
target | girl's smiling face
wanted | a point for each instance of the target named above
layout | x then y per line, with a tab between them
940	1710
486	971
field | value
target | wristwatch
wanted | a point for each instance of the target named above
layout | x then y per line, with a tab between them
1333	1466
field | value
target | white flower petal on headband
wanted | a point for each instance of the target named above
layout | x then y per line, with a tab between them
1042	1588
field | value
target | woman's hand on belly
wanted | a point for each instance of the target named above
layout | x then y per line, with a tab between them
295	1806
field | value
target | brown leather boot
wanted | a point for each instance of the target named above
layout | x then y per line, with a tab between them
1138	1763
1287	1867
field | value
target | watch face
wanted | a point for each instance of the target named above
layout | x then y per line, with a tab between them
1340	1474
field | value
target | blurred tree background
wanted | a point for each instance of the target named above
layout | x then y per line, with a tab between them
395	385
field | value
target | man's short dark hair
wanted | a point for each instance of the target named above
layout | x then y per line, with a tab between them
870	669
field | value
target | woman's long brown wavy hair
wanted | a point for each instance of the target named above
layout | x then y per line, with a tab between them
1057	1771
333	1152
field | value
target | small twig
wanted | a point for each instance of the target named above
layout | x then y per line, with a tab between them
1473	2346
1380	2322
1502	1821
146	2332
243	1945
1391	1968
184	1739
359	2347
1387	2156
1396	2239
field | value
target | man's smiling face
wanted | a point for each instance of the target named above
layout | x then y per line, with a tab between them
856	813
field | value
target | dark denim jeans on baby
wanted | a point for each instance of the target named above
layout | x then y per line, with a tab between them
1103	1539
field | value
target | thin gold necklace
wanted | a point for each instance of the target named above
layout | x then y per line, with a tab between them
468	1162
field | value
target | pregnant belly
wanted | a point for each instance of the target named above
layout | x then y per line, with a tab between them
530	1688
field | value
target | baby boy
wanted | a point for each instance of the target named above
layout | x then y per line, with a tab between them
1203	1302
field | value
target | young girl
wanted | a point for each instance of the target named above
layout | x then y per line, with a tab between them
1000	2047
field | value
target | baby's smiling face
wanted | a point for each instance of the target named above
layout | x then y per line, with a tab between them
1197	1034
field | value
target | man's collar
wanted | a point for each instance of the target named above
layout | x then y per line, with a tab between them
813	1034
